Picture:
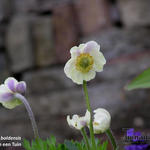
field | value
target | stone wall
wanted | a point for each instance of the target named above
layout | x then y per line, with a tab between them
35	38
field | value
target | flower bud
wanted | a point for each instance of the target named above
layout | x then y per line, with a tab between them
8	90
78	122
101	121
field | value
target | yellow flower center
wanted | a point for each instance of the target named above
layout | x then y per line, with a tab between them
96	124
84	62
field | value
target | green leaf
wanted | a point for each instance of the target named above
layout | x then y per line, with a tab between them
141	81
26	144
104	146
70	145
48	144
61	147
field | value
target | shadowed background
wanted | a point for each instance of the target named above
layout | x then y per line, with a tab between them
35	39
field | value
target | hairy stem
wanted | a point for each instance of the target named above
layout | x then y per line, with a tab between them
89	109
30	113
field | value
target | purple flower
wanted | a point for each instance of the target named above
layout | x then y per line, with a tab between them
131	133
137	147
137	144
8	90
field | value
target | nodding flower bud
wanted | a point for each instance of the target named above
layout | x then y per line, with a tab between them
8	90
101	121
78	122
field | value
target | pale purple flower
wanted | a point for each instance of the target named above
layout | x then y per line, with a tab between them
8	90
86	59
78	122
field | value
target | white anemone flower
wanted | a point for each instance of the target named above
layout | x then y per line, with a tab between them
85	61
101	121
8	90
78	122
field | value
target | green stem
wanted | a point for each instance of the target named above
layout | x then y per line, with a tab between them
85	139
112	139
89	109
30	113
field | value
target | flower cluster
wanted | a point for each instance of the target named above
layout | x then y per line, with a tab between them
8	90
86	59
101	121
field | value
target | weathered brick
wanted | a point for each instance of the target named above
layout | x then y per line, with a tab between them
24	6
19	44
43	41
2	36
5	10
93	15
65	31
135	12
48	5
122	42
4	71
53	79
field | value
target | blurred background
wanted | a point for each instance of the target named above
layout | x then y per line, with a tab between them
35	39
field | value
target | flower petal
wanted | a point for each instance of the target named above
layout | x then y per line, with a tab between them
102	120
11	104
21	87
81	123
72	73
4	89
5	93
11	83
82	47
89	76
101	111
101	125
91	46
87	117
76	76
78	122
69	66
75	118
99	60
75	51
6	97
130	132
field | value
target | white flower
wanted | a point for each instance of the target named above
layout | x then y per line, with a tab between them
78	122
8	90
101	121
85	61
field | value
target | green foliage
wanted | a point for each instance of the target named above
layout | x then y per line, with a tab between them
141	81
50	144
71	145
